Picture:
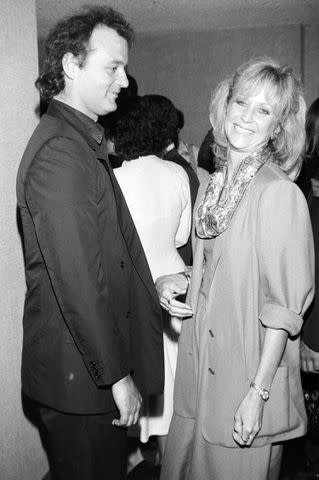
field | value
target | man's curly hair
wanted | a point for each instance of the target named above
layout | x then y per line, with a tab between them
72	36
143	126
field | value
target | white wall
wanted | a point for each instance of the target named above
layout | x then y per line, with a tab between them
187	66
21	454
311	63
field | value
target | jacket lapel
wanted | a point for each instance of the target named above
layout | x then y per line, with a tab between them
130	234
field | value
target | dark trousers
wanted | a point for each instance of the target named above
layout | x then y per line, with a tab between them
83	447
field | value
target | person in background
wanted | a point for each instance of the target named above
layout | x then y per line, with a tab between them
107	120
158	196
206	157
164	118
238	393
189	151
309	352
308	181
92	322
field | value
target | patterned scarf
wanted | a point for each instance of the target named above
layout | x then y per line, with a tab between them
219	201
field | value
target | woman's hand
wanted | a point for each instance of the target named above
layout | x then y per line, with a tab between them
248	418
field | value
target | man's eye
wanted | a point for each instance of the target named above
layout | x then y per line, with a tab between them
264	111
241	102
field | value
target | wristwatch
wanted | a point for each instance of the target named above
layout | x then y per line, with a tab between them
261	391
187	274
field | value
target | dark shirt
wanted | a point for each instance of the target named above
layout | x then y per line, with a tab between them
310	330
94	129
206	155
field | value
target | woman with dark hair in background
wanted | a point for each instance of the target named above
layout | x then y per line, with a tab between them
238	392
158	196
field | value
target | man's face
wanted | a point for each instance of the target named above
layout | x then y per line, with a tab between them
97	83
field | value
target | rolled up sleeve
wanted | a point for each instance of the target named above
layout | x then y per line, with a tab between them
286	256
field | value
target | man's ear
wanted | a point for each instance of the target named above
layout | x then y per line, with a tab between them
70	65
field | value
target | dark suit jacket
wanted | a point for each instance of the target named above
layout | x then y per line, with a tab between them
173	156
91	311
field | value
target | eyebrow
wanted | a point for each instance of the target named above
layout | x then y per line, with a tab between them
117	62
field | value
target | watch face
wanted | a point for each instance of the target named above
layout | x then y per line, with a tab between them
264	394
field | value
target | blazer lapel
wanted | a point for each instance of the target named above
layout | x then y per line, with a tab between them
130	235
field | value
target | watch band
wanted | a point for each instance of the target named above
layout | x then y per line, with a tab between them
187	275
262	392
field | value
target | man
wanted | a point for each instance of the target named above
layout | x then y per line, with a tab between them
92	322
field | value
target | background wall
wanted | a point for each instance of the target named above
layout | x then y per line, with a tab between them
187	66
311	63
21	455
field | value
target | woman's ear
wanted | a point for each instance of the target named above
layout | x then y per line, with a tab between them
70	65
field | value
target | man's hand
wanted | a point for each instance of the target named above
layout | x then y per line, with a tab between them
309	359
170	286
128	400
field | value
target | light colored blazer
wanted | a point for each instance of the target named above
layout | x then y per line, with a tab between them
261	276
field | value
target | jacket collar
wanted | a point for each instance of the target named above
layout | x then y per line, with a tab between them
92	131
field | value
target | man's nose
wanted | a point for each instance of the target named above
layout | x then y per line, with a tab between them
122	79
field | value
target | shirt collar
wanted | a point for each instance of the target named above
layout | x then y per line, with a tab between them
93	129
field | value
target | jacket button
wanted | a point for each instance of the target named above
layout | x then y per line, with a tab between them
211	333
128	314
211	371
122	264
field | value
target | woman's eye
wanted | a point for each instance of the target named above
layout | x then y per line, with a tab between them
241	102
264	111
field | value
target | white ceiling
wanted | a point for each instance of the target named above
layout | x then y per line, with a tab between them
185	15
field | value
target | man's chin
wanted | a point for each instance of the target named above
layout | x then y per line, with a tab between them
108	109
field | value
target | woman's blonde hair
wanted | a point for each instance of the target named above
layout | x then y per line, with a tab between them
288	139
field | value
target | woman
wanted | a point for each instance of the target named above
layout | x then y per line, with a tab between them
158	196
237	391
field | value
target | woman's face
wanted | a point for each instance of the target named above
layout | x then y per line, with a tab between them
250	121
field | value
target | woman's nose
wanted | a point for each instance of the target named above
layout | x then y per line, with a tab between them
248	114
